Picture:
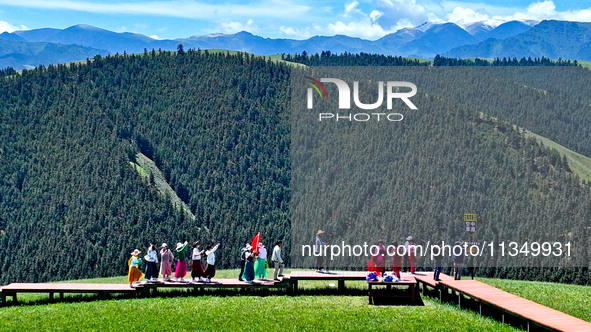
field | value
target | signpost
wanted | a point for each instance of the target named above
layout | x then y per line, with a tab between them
470	222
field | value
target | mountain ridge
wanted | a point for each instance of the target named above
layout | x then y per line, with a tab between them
550	38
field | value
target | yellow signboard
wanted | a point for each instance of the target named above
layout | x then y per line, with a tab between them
470	220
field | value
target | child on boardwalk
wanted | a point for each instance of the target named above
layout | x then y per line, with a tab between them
151	264
196	267
210	269
166	258
260	266
134	274
181	266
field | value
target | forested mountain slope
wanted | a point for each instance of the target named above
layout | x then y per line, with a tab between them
218	127
71	204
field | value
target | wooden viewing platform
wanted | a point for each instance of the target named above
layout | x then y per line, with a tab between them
62	288
13	289
470	294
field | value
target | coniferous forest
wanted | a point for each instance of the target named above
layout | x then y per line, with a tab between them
218	127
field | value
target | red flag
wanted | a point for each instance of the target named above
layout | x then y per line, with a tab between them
255	243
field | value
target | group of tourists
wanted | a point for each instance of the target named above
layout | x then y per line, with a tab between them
151	272
407	262
400	263
253	263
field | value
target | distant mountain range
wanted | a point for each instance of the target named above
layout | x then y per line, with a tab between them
553	39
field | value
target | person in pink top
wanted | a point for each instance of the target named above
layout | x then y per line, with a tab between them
166	258
380	259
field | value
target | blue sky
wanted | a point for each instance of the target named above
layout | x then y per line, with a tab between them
369	19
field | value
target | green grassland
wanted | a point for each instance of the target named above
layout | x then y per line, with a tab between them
230	311
319	308
242	313
574	300
578	163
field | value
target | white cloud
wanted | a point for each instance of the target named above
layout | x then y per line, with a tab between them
375	15
154	37
583	15
362	29
233	27
396	13
370	19
351	8
175	8
462	15
352	22
546	10
7	27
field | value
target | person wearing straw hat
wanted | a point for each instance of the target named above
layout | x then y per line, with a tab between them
319	251
406	256
181	265
134	274
166	258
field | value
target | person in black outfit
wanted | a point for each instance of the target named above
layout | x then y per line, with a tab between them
245	252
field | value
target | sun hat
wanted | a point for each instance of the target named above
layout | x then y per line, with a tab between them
164	245
320	232
135	252
179	246
409	238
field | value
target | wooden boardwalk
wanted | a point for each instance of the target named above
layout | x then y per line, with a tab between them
61	288
13	289
540	316
534	315
472	294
